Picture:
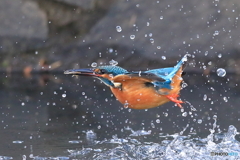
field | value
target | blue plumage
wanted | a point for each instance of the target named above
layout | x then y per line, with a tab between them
160	78
167	74
114	70
139	89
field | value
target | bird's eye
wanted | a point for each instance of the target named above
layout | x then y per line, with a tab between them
100	71
103	71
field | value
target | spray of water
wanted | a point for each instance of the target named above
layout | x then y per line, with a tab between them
176	146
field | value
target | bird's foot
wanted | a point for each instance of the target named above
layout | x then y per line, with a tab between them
173	98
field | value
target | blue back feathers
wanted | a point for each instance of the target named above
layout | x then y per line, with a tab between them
115	70
161	78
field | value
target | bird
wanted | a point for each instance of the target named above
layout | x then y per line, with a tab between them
139	89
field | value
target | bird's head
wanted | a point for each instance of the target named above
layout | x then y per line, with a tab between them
104	73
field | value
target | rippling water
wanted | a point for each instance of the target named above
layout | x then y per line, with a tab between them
177	146
59	117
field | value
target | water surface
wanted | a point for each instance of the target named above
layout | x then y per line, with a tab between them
59	116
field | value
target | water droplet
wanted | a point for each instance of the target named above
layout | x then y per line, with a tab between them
18	142
94	64
23	104
165	114
214	116
220	55
184	85
216	33
199	121
206	53
158	47
164	57
225	99
113	63
184	114
221	72
126	105
211	47
158	120
132	36
151	40
110	50
152	125
24	157
119	28
204	97
99	127
161	17
64	95
83	93
74	142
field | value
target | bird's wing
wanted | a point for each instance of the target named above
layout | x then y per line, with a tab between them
156	81
160	78
168	73
126	77
147	75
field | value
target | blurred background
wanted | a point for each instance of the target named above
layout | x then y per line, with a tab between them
47	114
136	33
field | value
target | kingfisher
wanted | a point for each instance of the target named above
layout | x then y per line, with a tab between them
139	89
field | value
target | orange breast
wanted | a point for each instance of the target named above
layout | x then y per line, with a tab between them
139	98
136	95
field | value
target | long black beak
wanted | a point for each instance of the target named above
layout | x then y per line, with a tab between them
81	72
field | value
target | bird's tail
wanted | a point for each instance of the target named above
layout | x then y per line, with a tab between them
180	65
175	76
170	75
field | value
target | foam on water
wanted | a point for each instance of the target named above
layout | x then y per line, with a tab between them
177	146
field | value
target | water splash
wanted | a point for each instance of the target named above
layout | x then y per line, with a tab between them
175	146
5	158
138	132
113	62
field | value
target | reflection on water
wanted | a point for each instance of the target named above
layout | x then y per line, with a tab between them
67	118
